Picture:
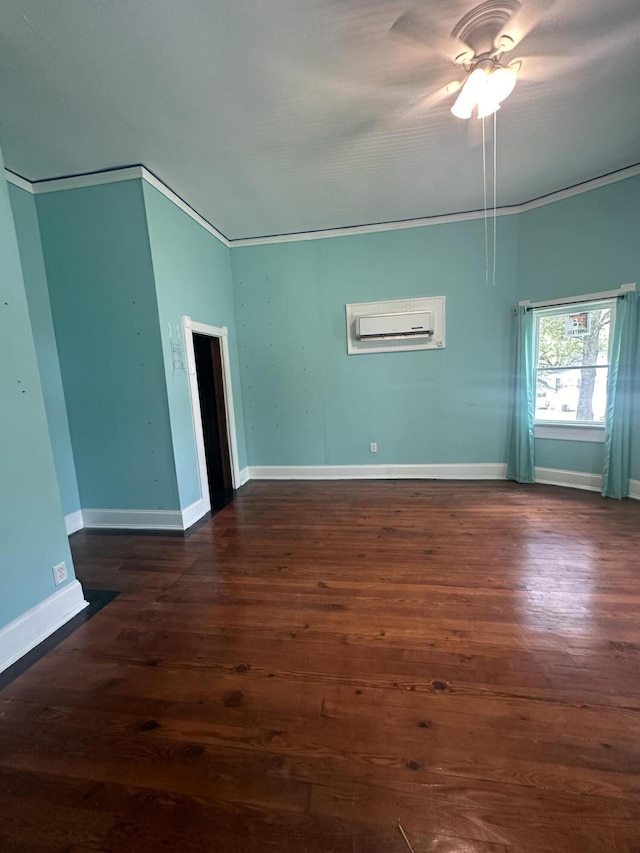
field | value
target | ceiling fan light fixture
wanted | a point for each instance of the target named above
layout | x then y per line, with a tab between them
502	82
462	108
485	89
471	93
487	106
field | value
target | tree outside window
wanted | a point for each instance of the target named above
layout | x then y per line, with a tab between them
572	362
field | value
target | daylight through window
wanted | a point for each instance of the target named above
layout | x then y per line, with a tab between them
572	345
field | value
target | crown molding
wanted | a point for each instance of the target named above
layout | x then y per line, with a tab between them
507	210
74	182
112	176
374	228
92	179
140	172
155	182
578	189
17	181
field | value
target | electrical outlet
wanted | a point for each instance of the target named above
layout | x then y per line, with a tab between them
373	447
60	573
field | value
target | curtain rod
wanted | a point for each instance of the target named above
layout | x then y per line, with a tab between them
588	297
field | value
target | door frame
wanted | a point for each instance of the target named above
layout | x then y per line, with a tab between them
191	327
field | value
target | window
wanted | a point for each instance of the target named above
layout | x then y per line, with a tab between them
572	350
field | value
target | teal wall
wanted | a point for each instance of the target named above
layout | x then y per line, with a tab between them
32	532
123	262
584	244
307	402
102	292
192	271
587	456
35	281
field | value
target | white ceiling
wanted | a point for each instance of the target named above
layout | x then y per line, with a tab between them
295	115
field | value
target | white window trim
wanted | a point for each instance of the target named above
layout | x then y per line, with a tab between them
586	297
573	430
569	431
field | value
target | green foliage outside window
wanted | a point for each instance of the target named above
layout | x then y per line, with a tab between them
560	355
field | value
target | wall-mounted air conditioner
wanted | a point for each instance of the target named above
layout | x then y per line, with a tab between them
395	325
404	324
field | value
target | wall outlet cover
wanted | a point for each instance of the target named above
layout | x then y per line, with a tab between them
60	573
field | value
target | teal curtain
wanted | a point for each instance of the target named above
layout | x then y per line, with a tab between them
617	436
520	464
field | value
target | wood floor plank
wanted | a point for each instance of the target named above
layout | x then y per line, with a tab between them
322	661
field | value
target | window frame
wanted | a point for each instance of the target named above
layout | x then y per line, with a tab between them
592	431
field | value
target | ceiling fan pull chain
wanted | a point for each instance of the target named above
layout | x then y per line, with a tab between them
484	188
495	191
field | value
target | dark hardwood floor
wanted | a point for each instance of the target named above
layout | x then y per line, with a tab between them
322	661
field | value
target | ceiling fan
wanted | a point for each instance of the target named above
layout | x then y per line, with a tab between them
478	44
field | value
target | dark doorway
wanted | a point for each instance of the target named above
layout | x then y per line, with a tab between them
214	419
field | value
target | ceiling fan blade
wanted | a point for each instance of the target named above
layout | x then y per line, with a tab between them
603	50
363	128
412	25
520	25
540	68
433	99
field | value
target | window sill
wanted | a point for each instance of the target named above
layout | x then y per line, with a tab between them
570	432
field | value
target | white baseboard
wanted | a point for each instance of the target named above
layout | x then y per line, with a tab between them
24	633
157	519
479	471
243	477
133	519
572	479
145	519
634	489
194	512
73	521
579	480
